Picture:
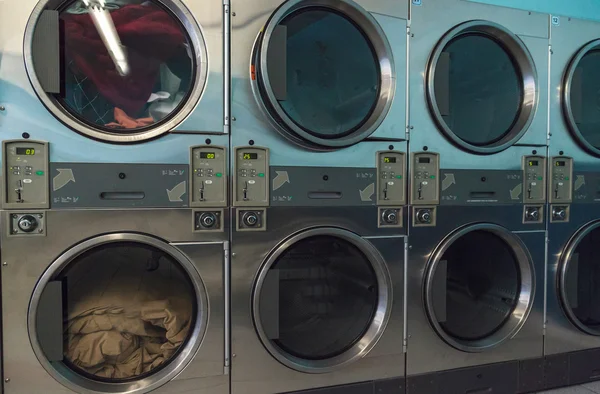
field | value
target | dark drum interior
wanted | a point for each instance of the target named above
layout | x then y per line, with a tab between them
585	97
476	286
319	298
128	308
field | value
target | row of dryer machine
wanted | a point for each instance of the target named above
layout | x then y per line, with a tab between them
274	196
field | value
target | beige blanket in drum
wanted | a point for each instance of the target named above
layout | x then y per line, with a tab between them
124	321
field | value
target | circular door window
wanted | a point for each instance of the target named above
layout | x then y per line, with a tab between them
118	313
324	72
580	280
124	71
581	97
482	87
322	300
479	287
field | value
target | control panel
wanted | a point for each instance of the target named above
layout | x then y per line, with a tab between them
561	184
391	178
208	176
251	184
534	179
425	171
25	165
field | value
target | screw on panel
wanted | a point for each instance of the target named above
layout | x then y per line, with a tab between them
233	118
40	216
233	14
2	108
41	230
7	380
233	255
5	264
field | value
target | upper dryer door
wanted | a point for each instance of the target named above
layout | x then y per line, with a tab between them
323	71
121	70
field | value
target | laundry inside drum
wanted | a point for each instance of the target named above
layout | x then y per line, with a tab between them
585	97
318	299
128	308
323	72
124	68
476	286
582	282
478	89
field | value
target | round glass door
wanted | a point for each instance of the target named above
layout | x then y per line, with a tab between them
479	287
324	72
118	313
322	300
579	281
482	87
581	97
124	71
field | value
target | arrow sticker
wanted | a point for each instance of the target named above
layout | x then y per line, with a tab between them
281	179
177	192
515	193
65	175
448	181
365	195
579	182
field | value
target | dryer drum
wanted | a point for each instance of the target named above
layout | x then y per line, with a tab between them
322	300
127	71
323	72
579	279
581	97
118	313
478	288
482	87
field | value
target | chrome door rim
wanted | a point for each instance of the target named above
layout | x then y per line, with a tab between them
378	323
564	264
196	36
75	382
524	302
566	96
383	51
525	65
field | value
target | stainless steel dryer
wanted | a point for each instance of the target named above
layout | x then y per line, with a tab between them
312	76
115	81
475	282
317	276
113	301
478	83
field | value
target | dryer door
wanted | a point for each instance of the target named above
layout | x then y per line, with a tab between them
581	97
119	71
479	287
322	299
482	87
118	313
579	279
324	72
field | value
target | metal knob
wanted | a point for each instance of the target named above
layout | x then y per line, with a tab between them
250	219
559	213
27	223
208	220
424	216
532	214
390	216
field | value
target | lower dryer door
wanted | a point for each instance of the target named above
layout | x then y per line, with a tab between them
479	287
118	313
579	279
322	299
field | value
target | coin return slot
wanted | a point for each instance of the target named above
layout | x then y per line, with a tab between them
325	195
482	194
120	196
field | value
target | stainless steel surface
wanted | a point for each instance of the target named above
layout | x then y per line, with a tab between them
564	332
569	42
430	22
521	336
254	369
31	261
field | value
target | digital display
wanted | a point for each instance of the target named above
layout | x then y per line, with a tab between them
533	163
207	155
424	160
250	156
389	159
26	151
560	164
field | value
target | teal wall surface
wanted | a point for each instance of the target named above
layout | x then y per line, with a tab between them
585	9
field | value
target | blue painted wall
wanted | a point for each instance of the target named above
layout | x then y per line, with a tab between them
585	9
